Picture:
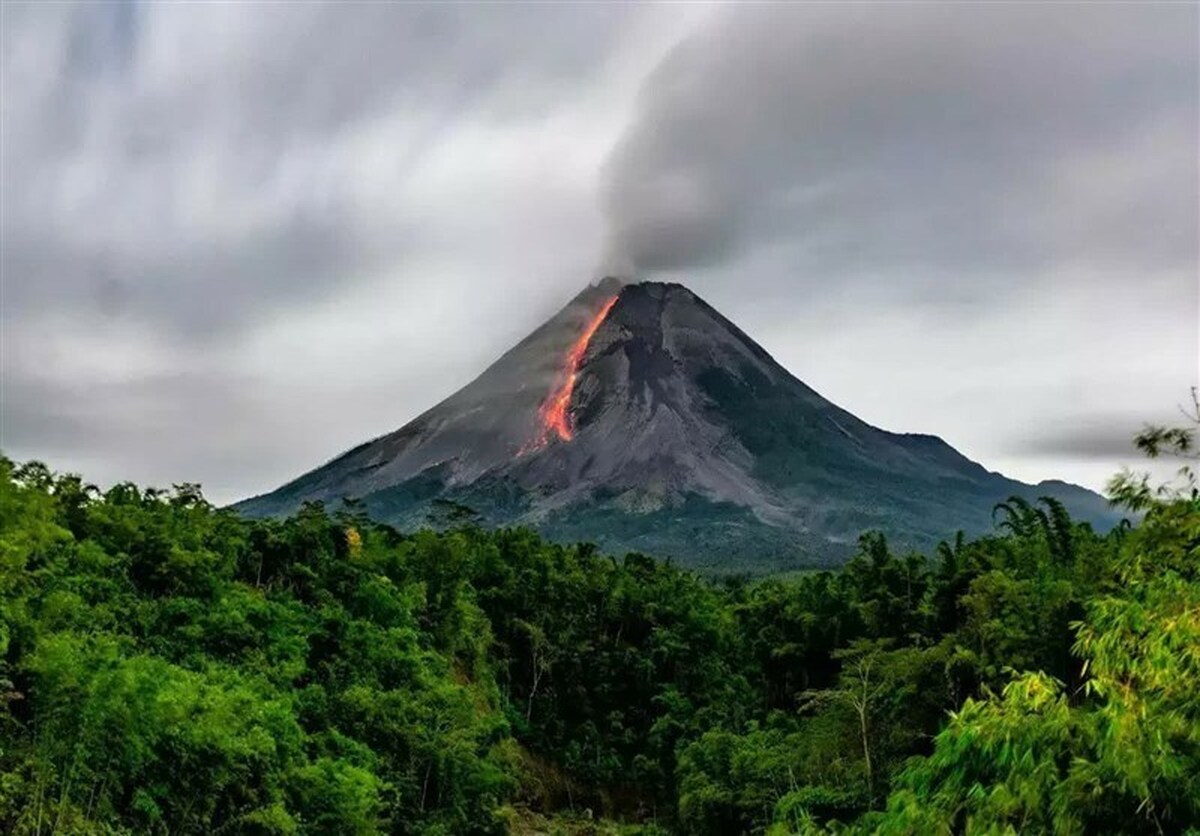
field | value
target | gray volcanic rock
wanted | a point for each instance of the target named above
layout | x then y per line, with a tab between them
689	441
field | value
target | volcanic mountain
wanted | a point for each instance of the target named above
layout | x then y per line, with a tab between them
639	418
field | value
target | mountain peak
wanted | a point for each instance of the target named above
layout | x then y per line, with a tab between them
641	418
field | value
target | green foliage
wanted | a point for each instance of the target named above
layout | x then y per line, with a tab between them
1116	752
166	666
1121	757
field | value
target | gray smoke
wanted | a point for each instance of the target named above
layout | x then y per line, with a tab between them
930	137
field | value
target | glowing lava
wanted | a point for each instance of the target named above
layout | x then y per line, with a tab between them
552	414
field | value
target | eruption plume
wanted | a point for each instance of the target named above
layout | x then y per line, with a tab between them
553	415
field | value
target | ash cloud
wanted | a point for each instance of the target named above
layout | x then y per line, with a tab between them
931	138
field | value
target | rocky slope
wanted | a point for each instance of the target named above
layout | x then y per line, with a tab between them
641	419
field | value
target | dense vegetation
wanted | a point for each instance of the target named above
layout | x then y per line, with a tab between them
166	666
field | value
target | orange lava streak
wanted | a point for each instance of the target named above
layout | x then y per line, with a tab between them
553	411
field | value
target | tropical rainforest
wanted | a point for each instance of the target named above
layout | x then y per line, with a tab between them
170	667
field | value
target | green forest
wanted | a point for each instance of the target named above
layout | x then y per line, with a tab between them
168	667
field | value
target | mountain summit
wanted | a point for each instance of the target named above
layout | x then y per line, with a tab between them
639	418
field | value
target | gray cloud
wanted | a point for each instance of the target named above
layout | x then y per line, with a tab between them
150	419
1098	439
930	138
195	154
195	288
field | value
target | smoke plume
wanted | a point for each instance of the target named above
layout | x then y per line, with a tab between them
913	136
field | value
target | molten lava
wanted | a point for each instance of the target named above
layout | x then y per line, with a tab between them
553	413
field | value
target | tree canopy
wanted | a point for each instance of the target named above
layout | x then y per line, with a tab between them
169	667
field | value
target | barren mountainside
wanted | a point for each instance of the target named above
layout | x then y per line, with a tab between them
641	419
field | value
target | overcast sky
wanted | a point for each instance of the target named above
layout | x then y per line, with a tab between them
238	239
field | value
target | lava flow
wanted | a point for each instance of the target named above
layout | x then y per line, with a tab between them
552	414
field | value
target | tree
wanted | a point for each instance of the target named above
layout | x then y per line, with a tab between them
859	687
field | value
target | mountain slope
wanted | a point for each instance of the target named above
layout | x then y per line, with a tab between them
640	418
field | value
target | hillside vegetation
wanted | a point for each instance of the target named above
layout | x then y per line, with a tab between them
169	667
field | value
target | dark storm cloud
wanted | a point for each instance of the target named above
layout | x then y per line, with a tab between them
939	138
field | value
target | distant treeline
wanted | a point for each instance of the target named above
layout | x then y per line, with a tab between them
168	667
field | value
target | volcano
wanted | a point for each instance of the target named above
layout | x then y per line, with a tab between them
641	419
